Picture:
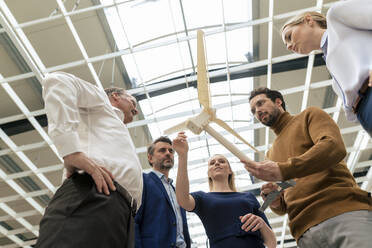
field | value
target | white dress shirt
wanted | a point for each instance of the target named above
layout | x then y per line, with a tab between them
349	58
81	119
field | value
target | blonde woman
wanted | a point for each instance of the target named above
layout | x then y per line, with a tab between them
345	37
230	218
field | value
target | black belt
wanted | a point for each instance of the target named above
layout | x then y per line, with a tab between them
132	203
361	94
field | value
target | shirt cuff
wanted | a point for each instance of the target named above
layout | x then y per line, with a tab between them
287	171
350	116
67	143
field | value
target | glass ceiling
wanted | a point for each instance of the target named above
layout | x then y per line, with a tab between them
166	24
155	47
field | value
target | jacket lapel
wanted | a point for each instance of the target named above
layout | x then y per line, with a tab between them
160	185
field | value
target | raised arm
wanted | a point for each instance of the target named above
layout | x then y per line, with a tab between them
184	198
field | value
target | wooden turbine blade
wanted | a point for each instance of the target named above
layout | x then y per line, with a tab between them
202	78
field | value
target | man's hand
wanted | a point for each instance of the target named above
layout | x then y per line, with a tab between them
370	78
101	176
180	144
251	222
266	189
266	170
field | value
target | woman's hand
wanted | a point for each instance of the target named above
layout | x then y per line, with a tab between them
370	78
180	144
252	222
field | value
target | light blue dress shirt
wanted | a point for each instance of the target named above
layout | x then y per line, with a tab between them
180	241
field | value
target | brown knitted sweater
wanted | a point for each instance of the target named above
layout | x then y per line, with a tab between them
309	148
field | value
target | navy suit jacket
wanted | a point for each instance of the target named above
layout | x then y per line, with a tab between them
155	222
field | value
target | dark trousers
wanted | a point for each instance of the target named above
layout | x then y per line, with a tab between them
364	113
78	216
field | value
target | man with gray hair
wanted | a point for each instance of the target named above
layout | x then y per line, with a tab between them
96	204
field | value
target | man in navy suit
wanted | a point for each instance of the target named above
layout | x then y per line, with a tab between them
160	222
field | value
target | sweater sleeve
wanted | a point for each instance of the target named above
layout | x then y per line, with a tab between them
328	148
352	13
282	209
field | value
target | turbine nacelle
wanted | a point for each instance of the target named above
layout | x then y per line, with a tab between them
197	123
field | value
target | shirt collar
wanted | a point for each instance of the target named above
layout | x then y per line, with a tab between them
119	113
161	175
324	43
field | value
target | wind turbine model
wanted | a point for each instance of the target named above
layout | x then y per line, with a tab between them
201	122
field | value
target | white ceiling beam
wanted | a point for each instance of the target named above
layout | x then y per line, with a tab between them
360	143
25	195
43	170
24	244
20	116
26	161
269	59
336	114
20	220
141	82
21	193
27	147
38	128
18	242
227	65
142	149
160	44
283	230
288	91
20	215
108	5
12	94
79	43
309	70
70	13
270	44
21	41
367	185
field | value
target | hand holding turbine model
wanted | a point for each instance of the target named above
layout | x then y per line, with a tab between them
201	122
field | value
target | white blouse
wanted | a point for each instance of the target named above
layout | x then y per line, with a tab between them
349	51
81	119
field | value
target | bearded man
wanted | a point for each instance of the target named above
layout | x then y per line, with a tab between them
326	208
160	222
